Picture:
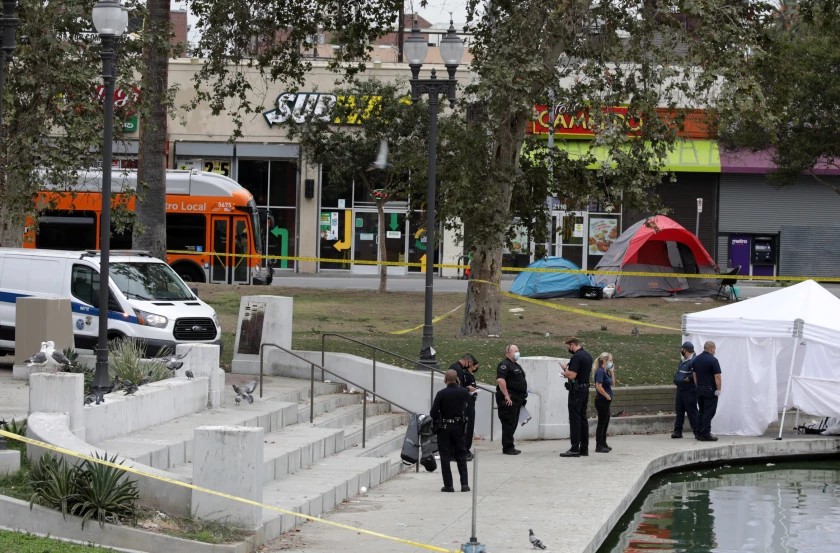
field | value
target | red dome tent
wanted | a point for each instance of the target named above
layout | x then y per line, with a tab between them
657	245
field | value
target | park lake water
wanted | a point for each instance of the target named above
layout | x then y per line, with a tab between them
776	507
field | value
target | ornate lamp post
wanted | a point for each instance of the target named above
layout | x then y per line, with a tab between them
111	21
451	50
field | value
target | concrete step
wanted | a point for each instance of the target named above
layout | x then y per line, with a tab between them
347	415
320	489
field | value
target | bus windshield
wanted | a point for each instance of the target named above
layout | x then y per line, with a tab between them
258	228
149	282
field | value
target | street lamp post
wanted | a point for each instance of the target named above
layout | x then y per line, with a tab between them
110	20
8	46
451	50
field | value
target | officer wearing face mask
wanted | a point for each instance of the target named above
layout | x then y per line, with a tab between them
511	391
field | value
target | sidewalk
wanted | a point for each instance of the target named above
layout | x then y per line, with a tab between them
571	504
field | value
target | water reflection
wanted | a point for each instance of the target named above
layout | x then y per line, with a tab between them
784	508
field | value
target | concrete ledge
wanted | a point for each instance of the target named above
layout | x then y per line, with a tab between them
9	462
153	404
739	452
54	429
16	515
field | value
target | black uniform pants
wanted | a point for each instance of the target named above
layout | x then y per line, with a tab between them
686	404
707	405
509	417
578	423
470	413
602	406
451	446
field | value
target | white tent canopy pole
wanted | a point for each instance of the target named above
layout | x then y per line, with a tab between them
798	326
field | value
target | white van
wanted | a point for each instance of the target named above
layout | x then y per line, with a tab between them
148	300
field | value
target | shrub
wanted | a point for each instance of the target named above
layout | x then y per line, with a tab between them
105	492
54	482
89	489
125	360
78	367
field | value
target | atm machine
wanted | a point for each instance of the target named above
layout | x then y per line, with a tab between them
763	259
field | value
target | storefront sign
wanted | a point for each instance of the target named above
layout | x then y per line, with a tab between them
577	123
302	107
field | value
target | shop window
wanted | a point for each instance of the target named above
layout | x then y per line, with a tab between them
335	193
253	175
282	188
281	237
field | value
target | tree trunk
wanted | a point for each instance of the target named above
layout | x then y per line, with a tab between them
484	298
150	219
383	252
11	227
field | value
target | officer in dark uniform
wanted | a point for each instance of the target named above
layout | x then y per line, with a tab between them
577	371
448	412
511	391
686	401
466	367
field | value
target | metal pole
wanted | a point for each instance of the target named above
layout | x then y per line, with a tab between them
100	379
374	375
473	538
312	393
364	417
427	353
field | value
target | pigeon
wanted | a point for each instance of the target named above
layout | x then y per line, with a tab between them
89	399
146	379
173	362
245	392
535	541
381	157
635	331
189	374
129	387
39	358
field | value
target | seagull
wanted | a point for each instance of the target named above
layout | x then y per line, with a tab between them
535	541
173	362
382	157
189	374
56	356
39	358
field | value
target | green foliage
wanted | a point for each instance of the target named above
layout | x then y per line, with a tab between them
18	428
17	484
105	493
54	481
89	489
78	367
28	543
794	107
275	38
125	360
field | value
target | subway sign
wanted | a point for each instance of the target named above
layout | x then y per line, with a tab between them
304	107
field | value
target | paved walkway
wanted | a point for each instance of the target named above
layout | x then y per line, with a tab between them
570	503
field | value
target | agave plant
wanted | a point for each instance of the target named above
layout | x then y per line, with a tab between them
54	481
125	359
78	367
105	493
18	428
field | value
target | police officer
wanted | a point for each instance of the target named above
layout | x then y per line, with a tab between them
577	371
511	391
686	401
707	374
466	367
449	413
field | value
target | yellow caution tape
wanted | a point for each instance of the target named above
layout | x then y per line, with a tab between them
436	319
159	478
707	276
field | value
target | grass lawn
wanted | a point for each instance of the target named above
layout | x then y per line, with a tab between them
645	359
15	542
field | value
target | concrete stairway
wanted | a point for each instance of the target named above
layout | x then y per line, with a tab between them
308	468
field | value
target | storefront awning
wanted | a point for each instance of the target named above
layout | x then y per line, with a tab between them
688	156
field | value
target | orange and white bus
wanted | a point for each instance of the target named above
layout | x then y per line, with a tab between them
212	223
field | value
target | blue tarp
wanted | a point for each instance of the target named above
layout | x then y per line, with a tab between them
537	284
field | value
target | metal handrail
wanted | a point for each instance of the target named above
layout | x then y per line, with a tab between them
312	387
415	362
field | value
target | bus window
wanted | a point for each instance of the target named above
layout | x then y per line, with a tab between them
240	260
186	232
121	240
62	230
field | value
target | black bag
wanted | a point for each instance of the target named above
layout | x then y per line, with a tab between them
420	440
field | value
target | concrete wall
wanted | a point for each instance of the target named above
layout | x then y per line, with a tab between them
276	313
39	320
414	390
54	429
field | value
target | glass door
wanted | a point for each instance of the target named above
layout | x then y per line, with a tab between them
366	242
568	234
230	249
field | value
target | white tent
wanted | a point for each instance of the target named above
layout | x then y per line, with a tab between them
778	350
